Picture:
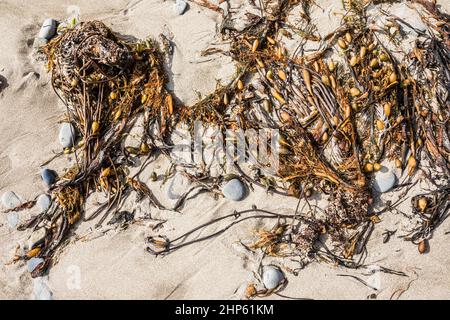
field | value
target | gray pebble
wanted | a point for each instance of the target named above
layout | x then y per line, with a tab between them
10	200
272	277
180	6
43	202
67	135
48	176
13	219
48	29
33	263
234	190
384	180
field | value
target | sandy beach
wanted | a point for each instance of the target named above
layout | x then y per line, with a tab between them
110	263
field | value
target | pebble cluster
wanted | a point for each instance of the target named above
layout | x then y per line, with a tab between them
10	200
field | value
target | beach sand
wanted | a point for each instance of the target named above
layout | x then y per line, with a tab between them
115	265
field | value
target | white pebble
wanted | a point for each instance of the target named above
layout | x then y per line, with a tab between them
234	190
180	6
384	180
272	277
67	135
10	200
36	237
43	202
13	219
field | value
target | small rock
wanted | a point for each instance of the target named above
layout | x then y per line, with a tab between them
48	29
67	135
177	187
272	277
10	200
36	237
33	263
234	190
180	6
13	219
384	180
43	202
39	42
48	176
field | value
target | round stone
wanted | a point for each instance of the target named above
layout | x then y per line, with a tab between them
234	190
43	202
48	176
36	237
10	200
384	180
67	135
180	6
272	277
13	219
33	263
48	29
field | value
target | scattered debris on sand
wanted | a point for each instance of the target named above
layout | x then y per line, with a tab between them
350	115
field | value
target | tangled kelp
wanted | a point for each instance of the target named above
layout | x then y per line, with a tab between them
105	84
337	123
